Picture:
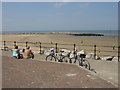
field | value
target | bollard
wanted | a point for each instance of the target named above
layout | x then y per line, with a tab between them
26	44
94	51
4	44
74	48
14	43
56	47
40	47
118	53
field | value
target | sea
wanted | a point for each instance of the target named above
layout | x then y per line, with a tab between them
104	32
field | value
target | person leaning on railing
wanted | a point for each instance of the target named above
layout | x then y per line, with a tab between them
28	53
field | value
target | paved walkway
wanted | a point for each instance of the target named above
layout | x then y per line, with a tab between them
107	70
26	73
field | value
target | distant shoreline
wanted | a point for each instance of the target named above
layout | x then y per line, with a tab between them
102	32
76	34
67	33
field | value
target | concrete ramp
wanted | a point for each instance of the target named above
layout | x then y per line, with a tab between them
27	73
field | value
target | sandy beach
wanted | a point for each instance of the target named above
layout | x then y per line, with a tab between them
83	42
107	40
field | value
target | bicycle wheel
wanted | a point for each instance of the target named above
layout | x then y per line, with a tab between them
73	60
86	64
50	58
65	59
70	60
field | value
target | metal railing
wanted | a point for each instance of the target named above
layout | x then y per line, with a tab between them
39	46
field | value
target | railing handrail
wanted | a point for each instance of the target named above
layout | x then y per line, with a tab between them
116	46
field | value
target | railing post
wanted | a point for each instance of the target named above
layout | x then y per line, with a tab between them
26	44
40	47
94	51
74	48
56	45
4	44
118	53
14	43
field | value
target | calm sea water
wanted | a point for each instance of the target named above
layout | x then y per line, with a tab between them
105	32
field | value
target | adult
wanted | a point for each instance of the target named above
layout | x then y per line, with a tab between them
16	53
28	53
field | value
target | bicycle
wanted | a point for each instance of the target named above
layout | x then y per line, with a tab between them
81	60
54	57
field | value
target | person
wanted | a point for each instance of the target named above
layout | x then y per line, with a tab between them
82	42
113	47
28	53
16	52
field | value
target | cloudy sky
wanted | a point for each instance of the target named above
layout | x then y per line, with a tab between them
41	16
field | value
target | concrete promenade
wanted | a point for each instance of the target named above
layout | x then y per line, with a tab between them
38	73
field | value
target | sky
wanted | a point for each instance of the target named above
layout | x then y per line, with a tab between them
60	0
44	16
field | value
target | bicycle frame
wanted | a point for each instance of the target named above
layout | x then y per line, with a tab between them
53	54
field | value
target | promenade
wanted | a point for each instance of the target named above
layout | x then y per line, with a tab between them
37	74
27	73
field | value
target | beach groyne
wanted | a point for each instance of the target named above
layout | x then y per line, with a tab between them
86	34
